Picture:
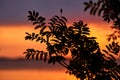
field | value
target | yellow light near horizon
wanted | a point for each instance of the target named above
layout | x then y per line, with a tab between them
35	75
12	42
100	31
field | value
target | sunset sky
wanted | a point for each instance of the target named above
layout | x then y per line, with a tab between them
14	23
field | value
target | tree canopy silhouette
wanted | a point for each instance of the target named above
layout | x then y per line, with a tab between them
87	61
109	10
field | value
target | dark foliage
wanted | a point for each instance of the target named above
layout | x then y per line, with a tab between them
110	10
87	61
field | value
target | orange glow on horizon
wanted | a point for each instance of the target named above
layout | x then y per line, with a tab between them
12	42
35	75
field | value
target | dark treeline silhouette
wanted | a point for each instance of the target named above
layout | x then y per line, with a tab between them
87	61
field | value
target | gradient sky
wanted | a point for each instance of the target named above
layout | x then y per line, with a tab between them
14	24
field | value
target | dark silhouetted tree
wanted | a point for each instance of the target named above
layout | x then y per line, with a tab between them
87	61
109	10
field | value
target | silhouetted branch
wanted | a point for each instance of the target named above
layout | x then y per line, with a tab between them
88	61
